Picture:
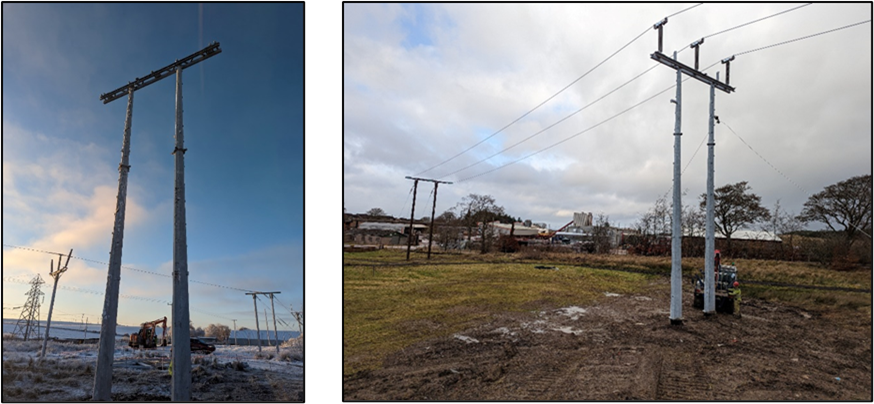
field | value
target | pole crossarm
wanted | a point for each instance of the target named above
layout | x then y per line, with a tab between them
429	180
140	82
676	65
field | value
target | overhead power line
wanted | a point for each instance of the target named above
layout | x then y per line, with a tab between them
777	170
552	125
602	97
126	267
802	38
748	23
552	96
650	98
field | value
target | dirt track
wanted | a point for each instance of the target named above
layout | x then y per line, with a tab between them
624	348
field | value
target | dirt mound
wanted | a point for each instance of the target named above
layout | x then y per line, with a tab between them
624	348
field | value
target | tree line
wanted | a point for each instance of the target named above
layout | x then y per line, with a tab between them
845	208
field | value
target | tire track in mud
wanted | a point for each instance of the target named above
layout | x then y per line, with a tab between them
682	380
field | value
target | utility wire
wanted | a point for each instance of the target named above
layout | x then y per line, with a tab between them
802	38
551	97
125	267
651	97
554	124
722	121
748	23
599	99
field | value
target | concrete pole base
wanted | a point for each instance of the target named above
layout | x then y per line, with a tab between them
676	321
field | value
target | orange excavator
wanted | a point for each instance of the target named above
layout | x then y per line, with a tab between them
147	336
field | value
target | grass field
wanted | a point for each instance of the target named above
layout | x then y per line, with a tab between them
389	303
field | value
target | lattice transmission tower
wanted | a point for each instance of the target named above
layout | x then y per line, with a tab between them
28	324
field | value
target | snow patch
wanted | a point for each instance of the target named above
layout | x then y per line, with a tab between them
573	312
610	294
465	338
568	330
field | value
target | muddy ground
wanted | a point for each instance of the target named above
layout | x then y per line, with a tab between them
624	348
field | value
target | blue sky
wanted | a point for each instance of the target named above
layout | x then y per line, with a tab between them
243	120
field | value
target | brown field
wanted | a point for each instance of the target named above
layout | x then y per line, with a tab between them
474	327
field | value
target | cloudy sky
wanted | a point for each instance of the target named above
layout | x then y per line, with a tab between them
244	167
425	82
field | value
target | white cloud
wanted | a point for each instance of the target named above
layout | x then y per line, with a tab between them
805	107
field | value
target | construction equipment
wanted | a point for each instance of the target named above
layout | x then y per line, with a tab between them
146	337
727	291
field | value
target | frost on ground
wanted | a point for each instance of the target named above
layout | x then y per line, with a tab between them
231	373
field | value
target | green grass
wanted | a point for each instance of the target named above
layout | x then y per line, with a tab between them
389	308
390	303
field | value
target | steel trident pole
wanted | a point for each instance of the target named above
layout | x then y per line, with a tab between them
676	236
181	351
709	239
106	347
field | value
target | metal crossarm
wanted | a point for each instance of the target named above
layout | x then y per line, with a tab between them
676	65
188	61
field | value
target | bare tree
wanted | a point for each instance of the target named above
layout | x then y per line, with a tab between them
845	206
479	211
219	331
693	221
734	208
783	224
376	212
601	234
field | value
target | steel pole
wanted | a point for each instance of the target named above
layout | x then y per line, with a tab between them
433	209
181	379
676	236
106	347
412	212
709	239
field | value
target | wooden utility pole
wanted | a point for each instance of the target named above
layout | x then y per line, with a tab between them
257	327
267	325
433	209
54	274
275	332
412	212
106	348
235	331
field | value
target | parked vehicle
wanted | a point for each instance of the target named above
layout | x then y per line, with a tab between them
202	347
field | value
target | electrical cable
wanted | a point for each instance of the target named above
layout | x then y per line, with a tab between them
554	124
653	96
747	23
722	121
552	96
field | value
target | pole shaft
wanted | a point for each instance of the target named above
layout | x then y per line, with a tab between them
181	351
106	349
257	327
49	319
275	332
433	209
412	212
709	237
676	236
